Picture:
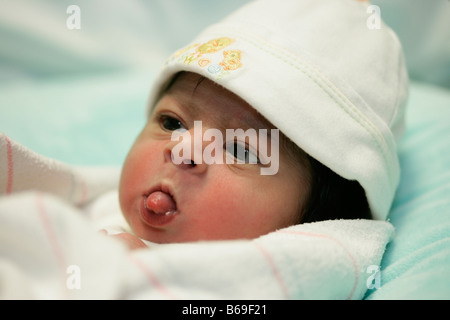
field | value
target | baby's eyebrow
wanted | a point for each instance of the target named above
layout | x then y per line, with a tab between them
200	80
253	120
245	119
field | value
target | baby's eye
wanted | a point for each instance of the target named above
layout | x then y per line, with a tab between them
170	123
241	152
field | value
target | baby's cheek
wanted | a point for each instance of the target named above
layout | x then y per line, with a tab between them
133	173
139	161
227	205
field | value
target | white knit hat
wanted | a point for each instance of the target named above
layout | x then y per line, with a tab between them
316	71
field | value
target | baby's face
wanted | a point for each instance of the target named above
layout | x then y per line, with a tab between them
205	201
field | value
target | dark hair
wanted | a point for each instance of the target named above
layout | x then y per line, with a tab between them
333	197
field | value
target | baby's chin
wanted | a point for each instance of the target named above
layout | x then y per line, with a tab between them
178	232
172	235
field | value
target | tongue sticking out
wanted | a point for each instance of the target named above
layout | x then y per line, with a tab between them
161	203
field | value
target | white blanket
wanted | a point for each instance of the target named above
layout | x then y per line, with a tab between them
51	249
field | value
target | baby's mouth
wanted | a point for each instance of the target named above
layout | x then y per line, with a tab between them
158	208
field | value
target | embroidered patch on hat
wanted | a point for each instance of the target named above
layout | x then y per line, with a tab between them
211	56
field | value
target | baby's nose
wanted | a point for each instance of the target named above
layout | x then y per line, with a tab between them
184	155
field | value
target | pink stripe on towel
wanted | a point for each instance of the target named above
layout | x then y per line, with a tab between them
53	240
152	278
273	266
51	236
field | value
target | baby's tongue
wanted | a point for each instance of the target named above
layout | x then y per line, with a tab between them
161	203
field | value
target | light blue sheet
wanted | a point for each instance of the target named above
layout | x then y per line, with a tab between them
82	121
416	264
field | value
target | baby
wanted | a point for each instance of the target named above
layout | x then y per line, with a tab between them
313	70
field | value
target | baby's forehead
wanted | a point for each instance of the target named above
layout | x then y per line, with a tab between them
202	97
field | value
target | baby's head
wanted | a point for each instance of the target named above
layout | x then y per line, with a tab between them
319	132
168	202
223	200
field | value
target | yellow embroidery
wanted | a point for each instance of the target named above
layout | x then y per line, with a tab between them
189	59
203	62
214	45
231	60
207	56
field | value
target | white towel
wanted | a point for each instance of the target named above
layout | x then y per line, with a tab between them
50	249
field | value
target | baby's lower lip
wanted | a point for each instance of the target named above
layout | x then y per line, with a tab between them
152	219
